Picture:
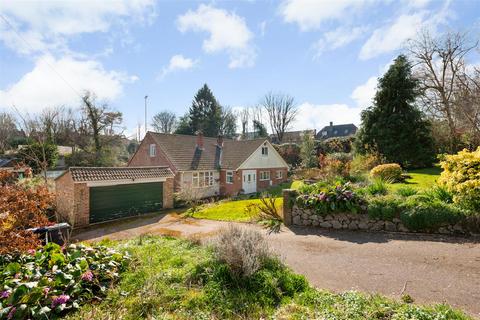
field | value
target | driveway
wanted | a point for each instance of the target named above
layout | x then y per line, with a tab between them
431	269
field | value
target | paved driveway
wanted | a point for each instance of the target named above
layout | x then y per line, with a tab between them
429	268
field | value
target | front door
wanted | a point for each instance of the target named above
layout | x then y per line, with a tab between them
249	181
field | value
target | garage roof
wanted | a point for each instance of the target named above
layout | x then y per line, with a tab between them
88	174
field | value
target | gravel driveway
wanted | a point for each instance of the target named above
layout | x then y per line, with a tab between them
429	268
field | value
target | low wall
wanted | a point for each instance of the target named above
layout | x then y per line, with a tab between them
294	215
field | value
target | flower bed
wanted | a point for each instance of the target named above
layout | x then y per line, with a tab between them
53	280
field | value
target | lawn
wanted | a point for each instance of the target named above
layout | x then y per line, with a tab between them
420	178
177	279
237	210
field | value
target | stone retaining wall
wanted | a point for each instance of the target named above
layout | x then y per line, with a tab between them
294	215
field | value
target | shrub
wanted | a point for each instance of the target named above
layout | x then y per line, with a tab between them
364	163
331	145
376	187
407	191
22	208
327	198
384	208
52	281
290	152
242	249
461	176
268	214
439	193
430	216
335	164
391	172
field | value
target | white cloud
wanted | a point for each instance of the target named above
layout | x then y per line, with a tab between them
48	24
337	38
311	14
391	38
177	62
43	87
364	93
316	116
228	32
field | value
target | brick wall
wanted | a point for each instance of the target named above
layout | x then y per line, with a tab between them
265	184
168	193
230	189
64	197
81	205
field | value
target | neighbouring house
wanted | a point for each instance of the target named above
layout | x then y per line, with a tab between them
213	166
14	166
90	195
338	130
293	136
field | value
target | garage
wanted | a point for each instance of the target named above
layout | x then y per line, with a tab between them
92	195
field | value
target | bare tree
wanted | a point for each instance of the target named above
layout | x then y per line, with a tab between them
164	122
281	111
439	63
244	116
8	128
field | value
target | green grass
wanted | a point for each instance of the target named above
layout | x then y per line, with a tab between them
230	210
236	210
421	179
176	279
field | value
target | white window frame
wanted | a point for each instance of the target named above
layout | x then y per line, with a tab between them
152	150
279	174
324	133
264	175
203	179
229	177
265	151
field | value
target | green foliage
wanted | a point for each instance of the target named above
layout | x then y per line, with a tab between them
337	144
377	187
325	198
461	176
430	216
389	172
384	207
290	152
362	163
307	152
39	155
393	125
439	193
53	281
259	129
406	191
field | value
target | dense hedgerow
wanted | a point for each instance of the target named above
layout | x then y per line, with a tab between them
461	176
52	281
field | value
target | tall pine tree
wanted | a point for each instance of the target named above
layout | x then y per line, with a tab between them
205	113
394	126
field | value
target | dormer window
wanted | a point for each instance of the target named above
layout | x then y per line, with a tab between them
265	151
153	150
324	133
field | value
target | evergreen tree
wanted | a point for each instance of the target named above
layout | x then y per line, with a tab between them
259	129
308	152
394	126
205	113
183	126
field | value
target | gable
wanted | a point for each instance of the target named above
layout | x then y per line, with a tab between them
259	161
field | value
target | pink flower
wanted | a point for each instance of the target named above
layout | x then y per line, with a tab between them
62	299
11	313
46	291
5	294
31	252
87	276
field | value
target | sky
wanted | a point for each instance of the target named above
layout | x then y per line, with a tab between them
326	54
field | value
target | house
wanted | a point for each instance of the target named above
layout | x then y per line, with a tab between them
14	166
213	166
338	130
90	195
293	136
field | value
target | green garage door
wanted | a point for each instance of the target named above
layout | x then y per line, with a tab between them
125	200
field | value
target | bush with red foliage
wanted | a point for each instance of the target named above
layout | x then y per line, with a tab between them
21	208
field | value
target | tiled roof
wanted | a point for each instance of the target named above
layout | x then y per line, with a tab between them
183	153
338	130
88	174
7	162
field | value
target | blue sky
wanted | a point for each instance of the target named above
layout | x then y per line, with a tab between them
327	54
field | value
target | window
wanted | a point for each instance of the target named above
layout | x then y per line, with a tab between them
229	178
335	132
279	174
153	150
265	151
264	175
346	131
324	133
202	179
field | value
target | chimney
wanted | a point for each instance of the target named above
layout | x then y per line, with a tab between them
331	124
199	134
220	141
